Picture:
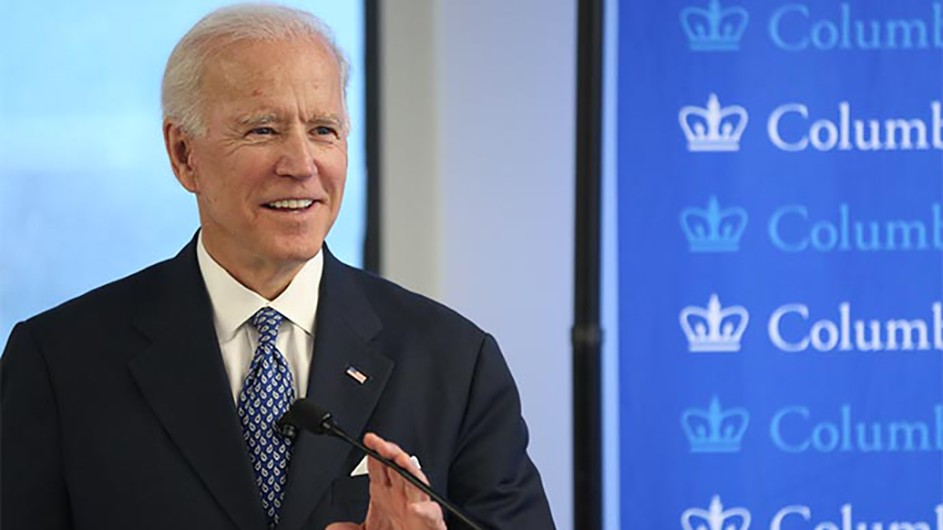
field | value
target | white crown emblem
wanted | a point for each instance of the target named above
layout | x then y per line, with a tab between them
713	128
715	430
714	329
716	518
713	229
714	28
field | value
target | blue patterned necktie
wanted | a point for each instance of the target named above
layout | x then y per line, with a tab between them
266	395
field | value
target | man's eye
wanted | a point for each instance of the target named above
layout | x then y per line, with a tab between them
323	130
262	130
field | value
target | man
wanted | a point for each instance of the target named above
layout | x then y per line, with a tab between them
150	402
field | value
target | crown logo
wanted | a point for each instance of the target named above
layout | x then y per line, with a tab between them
713	229
715	517
714	29
713	128
714	329
715	430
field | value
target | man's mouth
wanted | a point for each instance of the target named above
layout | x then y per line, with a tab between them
290	204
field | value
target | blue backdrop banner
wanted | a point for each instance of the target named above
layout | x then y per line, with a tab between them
780	242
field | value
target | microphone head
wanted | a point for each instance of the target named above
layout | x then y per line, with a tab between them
307	415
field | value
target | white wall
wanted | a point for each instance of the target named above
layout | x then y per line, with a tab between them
478	163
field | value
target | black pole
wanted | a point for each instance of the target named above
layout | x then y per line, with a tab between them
371	242
587	335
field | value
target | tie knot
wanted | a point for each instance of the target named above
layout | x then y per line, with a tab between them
266	321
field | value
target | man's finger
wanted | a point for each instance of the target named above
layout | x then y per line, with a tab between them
378	444
390	451
379	474
395	453
411	492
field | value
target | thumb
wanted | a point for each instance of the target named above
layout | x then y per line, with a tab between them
344	526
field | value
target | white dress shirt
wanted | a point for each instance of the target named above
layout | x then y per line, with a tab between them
234	304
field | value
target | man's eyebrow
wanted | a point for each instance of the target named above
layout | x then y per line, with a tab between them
257	119
332	119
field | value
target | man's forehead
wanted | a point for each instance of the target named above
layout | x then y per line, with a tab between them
262	73
254	67
264	54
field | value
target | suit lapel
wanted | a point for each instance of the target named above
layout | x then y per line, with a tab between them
346	325
183	379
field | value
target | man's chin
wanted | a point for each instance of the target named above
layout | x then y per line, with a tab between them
295	252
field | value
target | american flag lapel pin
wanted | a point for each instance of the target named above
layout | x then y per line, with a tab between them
356	375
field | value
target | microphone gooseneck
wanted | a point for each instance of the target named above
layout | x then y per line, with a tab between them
304	414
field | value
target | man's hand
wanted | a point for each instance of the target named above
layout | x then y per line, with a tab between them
395	504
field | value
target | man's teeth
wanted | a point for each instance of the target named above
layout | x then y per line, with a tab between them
291	204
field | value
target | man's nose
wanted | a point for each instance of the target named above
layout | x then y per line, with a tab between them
296	158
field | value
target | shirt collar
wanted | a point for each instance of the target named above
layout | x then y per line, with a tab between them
233	303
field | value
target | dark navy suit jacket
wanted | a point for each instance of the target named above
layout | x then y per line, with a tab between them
117	413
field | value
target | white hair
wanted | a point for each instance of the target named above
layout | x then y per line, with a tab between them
181	98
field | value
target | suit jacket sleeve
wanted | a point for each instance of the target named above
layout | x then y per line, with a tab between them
491	474
33	489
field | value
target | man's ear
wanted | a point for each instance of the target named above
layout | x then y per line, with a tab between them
179	146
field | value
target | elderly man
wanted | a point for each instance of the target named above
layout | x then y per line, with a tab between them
149	403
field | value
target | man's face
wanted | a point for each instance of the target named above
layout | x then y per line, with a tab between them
270	168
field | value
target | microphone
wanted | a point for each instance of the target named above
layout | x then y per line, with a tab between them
306	415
